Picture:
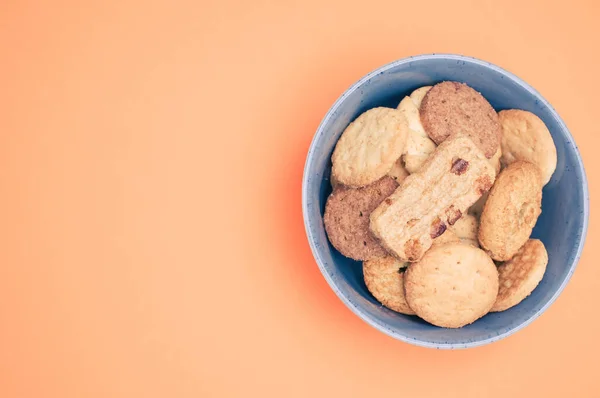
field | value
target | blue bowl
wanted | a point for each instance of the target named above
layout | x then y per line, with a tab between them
562	225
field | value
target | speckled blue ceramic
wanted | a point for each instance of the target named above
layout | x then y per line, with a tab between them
562	225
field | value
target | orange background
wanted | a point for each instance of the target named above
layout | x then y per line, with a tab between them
151	238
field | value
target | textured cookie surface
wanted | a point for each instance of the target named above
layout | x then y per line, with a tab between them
451	107
432	199
369	146
511	210
347	218
384	278
520	275
526	137
453	285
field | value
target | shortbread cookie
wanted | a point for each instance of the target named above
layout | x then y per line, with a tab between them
477	208
347	218
447	237
470	242
418	95
495	160
427	202
452	286
413	163
369	146
384	278
398	171
511	210
466	227
520	275
526	137
451	107
418	145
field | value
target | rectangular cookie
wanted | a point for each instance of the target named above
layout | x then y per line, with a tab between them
423	206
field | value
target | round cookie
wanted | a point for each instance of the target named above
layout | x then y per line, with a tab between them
453	285
369	146
520	275
526	137
347	218
384	278
466	227
511	210
451	107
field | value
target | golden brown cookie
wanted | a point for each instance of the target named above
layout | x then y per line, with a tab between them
347	218
398	171
451	107
511	210
526	137
520	275
453	285
384	278
435	197
369	147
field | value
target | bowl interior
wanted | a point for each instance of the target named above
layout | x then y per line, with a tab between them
561	226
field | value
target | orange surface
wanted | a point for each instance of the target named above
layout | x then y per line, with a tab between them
151	238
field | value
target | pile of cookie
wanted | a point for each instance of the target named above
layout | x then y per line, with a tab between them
438	198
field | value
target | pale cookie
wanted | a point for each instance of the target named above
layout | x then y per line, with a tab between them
477	208
447	237
369	146
520	275
495	160
451	107
466	227
418	95
427	202
347	218
418	145
398	171
511	210
526	137
384	278
452	286
470	242
413	163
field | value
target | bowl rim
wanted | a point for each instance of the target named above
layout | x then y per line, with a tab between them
382	327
